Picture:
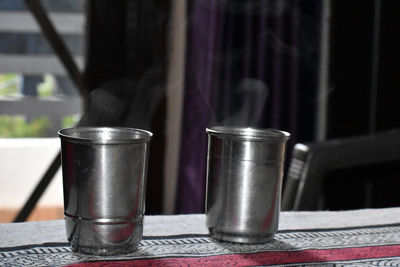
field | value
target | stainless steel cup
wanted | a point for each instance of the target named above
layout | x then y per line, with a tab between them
104	177
244	178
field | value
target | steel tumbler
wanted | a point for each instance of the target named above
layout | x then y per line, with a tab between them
104	178
244	179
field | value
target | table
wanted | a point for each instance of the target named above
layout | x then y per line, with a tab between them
369	237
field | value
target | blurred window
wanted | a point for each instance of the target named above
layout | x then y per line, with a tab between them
37	98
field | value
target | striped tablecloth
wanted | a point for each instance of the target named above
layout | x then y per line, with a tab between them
349	238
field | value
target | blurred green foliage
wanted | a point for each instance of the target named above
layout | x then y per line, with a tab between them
46	88
17	126
70	121
9	84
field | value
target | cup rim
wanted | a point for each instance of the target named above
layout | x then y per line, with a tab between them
248	133
105	135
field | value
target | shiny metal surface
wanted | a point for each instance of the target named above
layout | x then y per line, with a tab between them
104	178
244	179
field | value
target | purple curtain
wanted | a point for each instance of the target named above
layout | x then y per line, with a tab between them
249	63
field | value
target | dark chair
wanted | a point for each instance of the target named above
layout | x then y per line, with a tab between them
311	164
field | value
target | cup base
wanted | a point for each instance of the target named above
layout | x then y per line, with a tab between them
112	238
105	251
241	238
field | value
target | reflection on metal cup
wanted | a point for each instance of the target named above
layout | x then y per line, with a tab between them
104	178
244	179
